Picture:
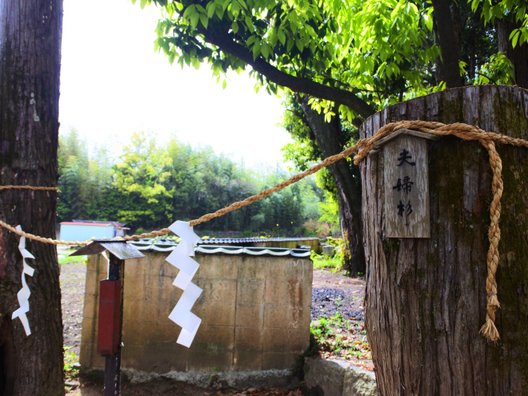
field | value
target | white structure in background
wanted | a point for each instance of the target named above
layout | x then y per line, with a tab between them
82	230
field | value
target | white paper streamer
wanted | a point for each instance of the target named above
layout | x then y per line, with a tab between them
24	293
180	258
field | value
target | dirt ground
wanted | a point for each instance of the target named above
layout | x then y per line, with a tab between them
332	293
72	279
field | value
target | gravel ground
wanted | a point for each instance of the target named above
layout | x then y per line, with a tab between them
332	293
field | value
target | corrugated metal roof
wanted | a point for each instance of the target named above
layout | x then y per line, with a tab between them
120	249
166	245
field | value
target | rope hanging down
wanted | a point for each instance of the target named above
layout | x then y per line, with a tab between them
363	147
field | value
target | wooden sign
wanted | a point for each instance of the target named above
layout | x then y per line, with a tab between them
406	184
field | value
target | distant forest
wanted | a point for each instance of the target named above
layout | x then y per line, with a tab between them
150	186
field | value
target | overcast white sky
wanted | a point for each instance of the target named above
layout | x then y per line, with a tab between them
113	83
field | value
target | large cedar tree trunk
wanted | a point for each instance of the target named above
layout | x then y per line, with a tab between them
346	177
30	36
426	297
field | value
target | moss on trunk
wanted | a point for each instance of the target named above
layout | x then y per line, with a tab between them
426	298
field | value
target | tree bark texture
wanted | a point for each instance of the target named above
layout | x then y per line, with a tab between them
518	55
346	177
447	28
30	37
426	298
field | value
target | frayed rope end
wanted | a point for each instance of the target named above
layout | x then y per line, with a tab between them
489	331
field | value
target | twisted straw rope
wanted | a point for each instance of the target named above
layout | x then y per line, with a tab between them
363	147
38	238
34	188
489	330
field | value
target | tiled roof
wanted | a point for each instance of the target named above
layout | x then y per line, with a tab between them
253	251
167	245
229	241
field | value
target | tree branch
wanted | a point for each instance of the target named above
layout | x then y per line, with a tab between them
296	84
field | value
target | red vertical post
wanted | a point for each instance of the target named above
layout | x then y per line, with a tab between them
111	324
111	307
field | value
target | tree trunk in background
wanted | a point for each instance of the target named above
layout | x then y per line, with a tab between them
518	55
426	298
346	177
30	36
448	31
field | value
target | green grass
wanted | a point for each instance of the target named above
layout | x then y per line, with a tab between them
71	363
65	258
334	263
333	337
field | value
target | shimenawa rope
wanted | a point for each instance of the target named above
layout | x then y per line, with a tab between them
363	147
34	188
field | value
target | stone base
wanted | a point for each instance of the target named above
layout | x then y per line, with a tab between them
337	378
259	379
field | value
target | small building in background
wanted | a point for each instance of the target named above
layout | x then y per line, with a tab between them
81	230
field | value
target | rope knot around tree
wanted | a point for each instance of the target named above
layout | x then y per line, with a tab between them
361	149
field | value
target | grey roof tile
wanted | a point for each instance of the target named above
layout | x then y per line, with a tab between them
167	245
